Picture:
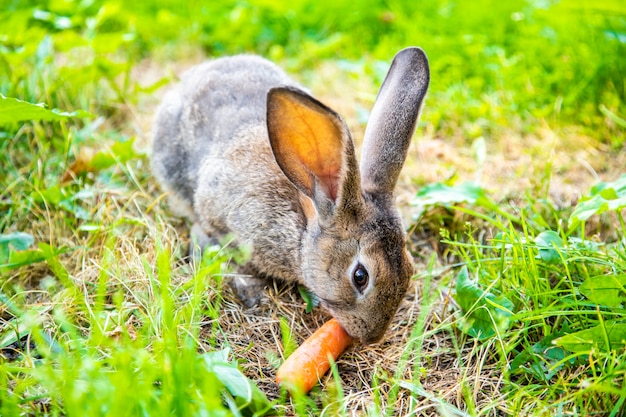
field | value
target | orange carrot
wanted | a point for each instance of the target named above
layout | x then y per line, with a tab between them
306	365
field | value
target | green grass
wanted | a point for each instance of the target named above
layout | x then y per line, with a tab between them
553	304
518	306
107	351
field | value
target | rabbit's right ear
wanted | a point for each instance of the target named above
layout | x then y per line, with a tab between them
312	146
393	120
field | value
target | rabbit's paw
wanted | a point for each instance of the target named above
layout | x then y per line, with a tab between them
249	289
199	241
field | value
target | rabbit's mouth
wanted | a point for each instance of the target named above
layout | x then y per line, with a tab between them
364	328
356	326
369	336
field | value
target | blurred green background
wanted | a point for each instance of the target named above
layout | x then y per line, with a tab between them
494	64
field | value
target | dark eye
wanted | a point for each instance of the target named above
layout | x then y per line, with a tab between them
360	277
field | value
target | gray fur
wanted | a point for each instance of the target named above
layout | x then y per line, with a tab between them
212	153
393	120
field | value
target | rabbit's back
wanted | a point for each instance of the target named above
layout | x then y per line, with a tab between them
213	104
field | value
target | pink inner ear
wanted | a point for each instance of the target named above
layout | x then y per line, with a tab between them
307	139
330	184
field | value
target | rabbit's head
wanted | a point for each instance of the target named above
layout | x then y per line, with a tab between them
354	258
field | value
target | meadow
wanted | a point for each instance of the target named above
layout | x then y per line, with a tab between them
513	198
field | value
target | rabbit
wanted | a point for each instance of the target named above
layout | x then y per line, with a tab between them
245	151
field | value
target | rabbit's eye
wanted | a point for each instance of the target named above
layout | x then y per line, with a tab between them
360	277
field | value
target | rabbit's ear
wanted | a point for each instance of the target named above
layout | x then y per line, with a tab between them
311	144
393	120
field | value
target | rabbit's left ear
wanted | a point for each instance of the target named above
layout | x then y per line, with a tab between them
312	146
393	120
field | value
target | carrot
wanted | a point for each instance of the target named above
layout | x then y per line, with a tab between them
306	365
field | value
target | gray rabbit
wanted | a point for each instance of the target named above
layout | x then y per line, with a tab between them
243	150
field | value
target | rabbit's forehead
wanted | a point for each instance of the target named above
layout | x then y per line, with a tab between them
379	246
384	237
387	259
377	241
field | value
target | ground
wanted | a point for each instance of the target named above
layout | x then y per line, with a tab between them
560	163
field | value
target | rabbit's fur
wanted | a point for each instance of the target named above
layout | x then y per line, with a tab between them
245	151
